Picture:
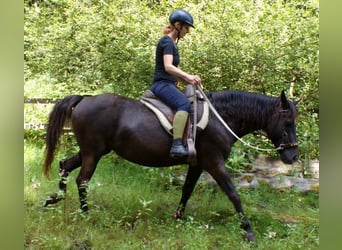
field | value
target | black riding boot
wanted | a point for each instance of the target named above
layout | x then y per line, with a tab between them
179	121
178	149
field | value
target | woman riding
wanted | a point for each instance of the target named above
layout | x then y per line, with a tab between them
167	72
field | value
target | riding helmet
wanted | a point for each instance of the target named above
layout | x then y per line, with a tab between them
181	16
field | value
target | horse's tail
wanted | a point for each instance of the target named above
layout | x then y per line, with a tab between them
58	116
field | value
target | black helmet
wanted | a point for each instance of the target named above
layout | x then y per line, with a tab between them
181	16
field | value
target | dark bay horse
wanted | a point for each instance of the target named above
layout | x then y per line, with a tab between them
109	122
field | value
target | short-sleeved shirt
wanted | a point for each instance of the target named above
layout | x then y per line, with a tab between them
165	46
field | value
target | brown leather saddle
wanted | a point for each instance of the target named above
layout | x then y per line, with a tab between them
165	114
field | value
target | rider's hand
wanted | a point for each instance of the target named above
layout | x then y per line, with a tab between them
193	79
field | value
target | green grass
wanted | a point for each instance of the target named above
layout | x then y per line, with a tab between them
131	207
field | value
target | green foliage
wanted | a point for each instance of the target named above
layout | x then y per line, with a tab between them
131	207
91	47
238	161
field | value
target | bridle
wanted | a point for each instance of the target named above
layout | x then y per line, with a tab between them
281	147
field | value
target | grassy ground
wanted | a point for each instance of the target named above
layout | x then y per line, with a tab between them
131	207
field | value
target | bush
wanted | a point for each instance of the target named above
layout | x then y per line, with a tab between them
91	47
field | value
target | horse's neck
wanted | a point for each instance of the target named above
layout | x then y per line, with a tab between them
247	116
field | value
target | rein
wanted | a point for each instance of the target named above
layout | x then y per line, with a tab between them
281	146
194	131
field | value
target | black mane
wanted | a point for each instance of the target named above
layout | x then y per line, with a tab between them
241	103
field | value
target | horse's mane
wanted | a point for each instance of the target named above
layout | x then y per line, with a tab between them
242	103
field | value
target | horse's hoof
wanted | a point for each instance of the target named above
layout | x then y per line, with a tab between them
177	215
52	199
84	209
250	237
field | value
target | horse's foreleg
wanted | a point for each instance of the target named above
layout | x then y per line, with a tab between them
87	170
223	179
192	176
65	167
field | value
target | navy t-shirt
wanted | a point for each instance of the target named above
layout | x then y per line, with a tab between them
165	46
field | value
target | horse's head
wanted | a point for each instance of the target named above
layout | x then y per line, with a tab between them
282	129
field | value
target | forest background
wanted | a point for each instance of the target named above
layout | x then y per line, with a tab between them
99	46
93	47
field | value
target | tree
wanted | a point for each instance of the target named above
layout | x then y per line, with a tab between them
90	47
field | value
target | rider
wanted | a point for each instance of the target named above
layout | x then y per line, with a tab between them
166	74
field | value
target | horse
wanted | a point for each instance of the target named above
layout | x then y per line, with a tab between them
110	122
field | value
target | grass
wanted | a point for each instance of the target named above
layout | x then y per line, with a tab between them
131	207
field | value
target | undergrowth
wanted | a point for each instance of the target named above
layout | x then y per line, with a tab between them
131	207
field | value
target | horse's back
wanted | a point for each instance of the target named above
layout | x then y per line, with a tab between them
100	105
99	116
112	122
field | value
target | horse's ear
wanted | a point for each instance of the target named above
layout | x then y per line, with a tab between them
284	102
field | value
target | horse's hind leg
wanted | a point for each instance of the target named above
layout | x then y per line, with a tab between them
192	176
220	174
89	163
65	168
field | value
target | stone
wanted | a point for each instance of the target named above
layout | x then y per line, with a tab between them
276	174
268	166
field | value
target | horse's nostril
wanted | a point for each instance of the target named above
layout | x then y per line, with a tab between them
295	158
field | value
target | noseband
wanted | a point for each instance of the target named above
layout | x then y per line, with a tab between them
284	146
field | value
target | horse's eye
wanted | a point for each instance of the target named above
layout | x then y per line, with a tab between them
284	134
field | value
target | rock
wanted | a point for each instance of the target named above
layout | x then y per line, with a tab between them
248	180
277	182
268	166
281	182
313	169
306	185
276	174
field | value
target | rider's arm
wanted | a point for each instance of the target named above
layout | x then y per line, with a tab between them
175	71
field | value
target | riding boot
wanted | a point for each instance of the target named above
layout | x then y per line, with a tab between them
178	150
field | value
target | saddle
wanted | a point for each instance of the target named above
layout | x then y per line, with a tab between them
165	114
